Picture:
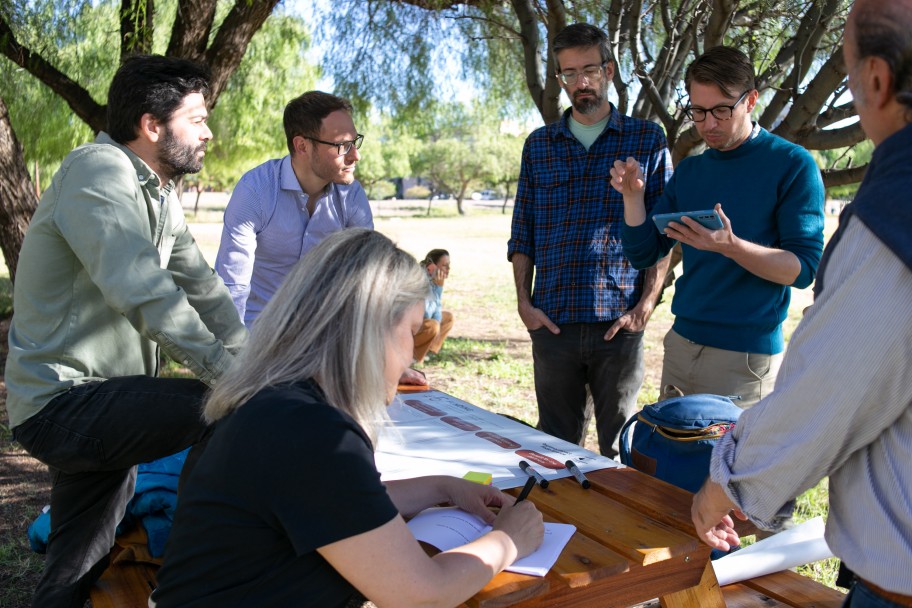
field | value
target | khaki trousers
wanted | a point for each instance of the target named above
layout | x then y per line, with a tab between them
693	368
432	335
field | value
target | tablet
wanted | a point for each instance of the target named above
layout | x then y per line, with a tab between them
707	218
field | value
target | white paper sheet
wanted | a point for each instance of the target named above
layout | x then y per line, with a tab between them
796	546
448	527
436	434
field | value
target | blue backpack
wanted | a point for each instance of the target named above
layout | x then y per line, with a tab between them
673	439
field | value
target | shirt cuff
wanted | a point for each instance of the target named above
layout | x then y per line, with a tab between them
720	471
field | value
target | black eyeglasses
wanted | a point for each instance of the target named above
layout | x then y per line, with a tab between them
719	112
342	147
591	73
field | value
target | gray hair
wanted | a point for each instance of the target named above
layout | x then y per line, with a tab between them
581	35
884	29
329	321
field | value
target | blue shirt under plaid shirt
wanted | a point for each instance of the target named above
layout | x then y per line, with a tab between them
567	217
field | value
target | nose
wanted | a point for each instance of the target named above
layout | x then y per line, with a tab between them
353	155
710	121
206	135
579	80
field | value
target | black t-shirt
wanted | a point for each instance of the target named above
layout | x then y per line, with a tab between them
284	474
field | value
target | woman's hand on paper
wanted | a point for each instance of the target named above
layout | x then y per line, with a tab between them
476	498
711	517
523	523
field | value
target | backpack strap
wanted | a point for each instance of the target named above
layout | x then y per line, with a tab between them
623	444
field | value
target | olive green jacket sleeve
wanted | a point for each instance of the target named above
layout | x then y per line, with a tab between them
107	274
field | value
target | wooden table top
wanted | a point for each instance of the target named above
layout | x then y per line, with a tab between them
634	542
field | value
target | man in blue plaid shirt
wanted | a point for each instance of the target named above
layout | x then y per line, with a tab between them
589	307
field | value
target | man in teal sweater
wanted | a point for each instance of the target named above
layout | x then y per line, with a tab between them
730	303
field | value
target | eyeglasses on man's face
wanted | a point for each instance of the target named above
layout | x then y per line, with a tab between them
591	73
720	112
342	147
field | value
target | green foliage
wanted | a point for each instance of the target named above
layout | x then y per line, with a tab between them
78	37
380	190
247	122
385	153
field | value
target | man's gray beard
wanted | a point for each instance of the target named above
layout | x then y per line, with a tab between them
589	106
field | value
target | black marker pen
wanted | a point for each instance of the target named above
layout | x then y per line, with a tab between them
528	470
578	474
530	483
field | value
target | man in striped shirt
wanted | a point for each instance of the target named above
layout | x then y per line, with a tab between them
589	306
842	406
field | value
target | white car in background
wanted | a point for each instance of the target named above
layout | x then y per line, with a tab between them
485	195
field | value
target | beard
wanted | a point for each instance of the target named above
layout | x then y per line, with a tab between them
177	158
591	104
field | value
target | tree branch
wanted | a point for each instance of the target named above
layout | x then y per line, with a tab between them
136	27
719	21
813	26
231	41
532	50
192	26
836	114
79	100
829	139
804	111
843	177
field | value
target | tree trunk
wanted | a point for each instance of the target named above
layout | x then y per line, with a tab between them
17	194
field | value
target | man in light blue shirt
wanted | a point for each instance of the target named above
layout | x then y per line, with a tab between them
282	208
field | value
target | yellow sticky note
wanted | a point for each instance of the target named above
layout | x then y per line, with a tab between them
482	478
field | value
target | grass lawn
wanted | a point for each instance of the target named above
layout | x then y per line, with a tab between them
486	361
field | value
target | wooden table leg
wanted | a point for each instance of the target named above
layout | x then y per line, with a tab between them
707	594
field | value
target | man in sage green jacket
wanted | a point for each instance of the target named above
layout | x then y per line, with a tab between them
108	277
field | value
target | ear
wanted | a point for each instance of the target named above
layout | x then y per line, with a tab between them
751	101
300	144
878	81
150	128
609	71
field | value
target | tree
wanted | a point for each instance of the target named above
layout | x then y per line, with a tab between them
505	47
385	153
450	165
505	157
31	40
17	195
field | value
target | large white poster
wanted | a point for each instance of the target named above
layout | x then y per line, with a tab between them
436	434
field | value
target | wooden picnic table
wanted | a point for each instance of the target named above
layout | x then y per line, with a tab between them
634	542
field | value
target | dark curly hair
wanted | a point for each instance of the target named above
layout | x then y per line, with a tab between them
151	84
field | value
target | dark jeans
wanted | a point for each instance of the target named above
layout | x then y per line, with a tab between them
92	437
860	596
579	356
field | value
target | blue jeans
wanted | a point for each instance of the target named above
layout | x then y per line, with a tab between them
579	356
860	596
91	438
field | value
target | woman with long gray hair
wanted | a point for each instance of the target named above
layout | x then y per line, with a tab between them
285	507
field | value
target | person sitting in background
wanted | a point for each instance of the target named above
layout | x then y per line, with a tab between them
437	321
286	507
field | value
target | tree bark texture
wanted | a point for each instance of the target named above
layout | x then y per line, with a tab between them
17	195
